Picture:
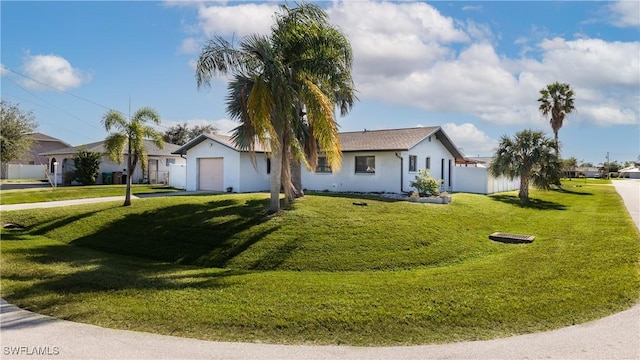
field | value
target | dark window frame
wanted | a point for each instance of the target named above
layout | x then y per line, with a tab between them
413	163
369	166
323	167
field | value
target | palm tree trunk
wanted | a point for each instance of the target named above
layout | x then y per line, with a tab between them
523	194
276	172
127	196
296	177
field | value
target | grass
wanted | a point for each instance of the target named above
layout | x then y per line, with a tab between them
23	196
327	272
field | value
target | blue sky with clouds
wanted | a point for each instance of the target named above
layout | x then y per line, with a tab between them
474	68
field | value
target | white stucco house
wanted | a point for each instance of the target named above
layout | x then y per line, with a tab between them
158	163
373	161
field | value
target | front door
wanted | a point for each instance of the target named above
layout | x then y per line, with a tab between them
153	171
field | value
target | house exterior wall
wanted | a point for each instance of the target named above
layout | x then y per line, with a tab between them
213	149
387	176
252	179
178	176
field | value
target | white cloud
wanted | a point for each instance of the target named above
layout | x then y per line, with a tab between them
190	46
625	13
470	139
238	20
51	70
409	54
3	70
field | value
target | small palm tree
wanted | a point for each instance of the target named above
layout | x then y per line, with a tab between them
131	134
528	155
556	100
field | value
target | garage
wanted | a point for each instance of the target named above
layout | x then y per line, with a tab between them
210	174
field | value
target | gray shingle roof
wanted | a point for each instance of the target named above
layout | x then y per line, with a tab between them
152	149
367	140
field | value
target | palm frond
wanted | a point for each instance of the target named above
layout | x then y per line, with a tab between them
114	146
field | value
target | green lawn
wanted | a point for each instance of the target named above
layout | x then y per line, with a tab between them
24	196
327	272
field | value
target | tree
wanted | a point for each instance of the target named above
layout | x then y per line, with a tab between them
87	164
15	127
529	155
131	134
556	102
180	134
284	90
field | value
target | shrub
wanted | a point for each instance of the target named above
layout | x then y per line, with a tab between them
87	165
425	184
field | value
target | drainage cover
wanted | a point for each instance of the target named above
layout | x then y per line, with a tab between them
511	238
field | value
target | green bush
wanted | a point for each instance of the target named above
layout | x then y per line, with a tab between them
87	165
425	184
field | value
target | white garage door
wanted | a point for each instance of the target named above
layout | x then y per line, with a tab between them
210	176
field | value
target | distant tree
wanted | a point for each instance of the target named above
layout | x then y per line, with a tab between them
87	164
15	127
586	164
556	102
180	134
131	134
529	155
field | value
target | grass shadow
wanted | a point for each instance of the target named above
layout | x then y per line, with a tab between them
203	234
364	196
531	204
564	190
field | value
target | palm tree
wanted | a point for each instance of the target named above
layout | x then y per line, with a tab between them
556	100
284	90
528	155
131	134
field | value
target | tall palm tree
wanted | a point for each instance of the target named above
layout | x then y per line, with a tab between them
284	90
556	101
131	134
529	155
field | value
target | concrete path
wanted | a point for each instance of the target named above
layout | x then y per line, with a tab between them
26	335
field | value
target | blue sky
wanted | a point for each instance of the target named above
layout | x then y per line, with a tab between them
474	68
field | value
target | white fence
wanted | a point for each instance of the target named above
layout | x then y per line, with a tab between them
19	171
178	176
478	180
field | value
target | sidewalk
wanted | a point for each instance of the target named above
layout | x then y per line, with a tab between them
24	335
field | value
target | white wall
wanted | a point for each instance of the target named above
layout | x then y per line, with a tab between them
20	171
472	179
387	175
385	179
478	180
178	176
436	151
252	179
213	149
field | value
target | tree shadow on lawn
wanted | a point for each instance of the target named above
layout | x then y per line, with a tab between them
531	204
98	272
206	234
359	196
564	190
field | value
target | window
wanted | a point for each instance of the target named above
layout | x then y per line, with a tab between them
366	164
413	163
268	166
428	163
323	165
449	174
170	161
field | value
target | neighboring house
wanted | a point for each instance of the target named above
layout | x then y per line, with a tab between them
373	161
32	165
473	176
61	161
214	163
631	172
387	161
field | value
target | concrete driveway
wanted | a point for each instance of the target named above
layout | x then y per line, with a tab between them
25	335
